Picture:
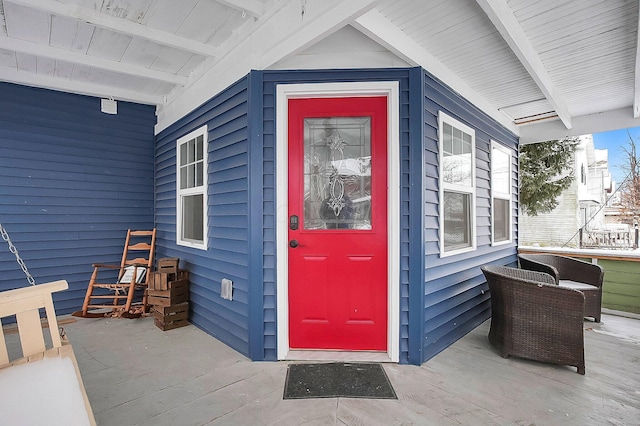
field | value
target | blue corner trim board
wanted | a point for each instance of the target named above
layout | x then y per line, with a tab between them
256	185
416	221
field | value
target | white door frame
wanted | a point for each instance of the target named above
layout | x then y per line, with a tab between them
284	92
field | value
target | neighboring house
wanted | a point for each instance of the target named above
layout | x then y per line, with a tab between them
581	206
614	215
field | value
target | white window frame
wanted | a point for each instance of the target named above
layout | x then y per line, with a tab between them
501	195
456	188
199	190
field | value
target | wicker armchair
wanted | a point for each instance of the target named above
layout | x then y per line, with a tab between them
533	318
571	273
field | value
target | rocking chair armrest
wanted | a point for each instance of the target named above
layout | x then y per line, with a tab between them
109	266
104	265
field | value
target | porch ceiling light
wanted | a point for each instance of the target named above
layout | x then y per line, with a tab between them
109	106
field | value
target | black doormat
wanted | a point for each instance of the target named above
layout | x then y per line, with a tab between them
337	379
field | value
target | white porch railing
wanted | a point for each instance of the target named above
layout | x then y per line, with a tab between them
609	239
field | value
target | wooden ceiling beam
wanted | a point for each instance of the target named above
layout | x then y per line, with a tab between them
282	31
598	122
79	87
55	53
377	27
118	25
502	17
636	94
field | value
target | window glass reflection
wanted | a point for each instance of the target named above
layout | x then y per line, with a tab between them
337	173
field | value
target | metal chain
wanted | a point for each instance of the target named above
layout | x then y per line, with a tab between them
14	250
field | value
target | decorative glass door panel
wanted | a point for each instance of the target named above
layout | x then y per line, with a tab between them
337	162
337	173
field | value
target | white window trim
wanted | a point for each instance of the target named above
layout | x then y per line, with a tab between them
202	131
501	195
445	118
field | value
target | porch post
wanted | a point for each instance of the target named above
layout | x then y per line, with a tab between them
417	182
256	219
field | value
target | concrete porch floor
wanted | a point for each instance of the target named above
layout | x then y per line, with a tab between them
136	374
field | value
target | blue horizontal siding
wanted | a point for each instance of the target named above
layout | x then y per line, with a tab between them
455	295
72	181
226	116
241	249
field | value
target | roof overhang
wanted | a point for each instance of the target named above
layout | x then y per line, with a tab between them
544	70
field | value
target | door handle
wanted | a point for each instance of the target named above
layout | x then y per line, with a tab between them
293	243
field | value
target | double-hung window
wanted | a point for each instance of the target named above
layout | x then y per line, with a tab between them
191	203
500	193
457	186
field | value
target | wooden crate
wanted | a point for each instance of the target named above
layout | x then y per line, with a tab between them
168	292
170	317
162	280
168	265
177	292
171	325
158	281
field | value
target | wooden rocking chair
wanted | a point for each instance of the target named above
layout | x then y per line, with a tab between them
117	293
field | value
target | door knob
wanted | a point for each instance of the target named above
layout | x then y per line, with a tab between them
293	243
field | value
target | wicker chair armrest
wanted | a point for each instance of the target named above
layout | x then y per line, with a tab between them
580	271
533	264
529	275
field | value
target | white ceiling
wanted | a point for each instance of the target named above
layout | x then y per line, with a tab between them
544	69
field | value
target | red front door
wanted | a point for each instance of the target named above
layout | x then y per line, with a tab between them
338	223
